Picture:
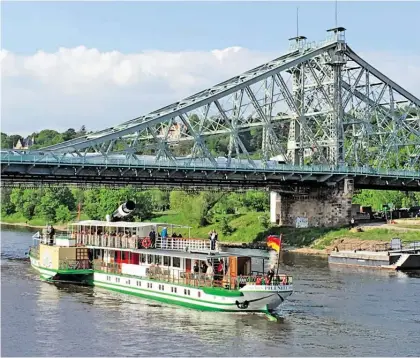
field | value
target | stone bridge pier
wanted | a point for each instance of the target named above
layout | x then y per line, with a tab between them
313	207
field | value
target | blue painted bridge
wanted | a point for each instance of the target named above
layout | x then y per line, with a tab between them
43	168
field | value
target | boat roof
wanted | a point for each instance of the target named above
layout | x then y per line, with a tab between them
124	224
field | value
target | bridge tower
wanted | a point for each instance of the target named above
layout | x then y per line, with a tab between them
329	206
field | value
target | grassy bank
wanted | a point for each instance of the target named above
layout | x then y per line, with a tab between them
370	235
22	221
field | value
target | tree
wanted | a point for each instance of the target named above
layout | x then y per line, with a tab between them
256	200
7	207
51	199
69	134
63	214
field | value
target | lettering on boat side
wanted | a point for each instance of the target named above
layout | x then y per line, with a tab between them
276	288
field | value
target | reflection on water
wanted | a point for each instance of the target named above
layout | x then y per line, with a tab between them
333	311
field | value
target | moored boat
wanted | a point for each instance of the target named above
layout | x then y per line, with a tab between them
131	258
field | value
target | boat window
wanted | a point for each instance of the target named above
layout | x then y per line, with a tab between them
176	262
138	283
143	258
158	260
127	282
123	255
117	279
149	259
173	289
199	294
166	260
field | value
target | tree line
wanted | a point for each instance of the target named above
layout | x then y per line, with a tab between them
64	204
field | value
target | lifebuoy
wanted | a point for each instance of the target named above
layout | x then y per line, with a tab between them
146	243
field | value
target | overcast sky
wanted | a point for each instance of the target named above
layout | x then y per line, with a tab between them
99	64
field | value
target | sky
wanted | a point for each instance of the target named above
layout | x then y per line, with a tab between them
98	64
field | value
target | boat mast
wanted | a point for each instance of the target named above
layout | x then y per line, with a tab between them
278	257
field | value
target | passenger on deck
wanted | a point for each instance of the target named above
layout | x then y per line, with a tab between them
152	237
196	270
213	238
174	235
209	272
203	267
270	275
164	235
52	233
220	270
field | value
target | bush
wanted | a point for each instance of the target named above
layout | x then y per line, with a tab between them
226	228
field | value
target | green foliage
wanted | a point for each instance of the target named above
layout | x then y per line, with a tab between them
226	228
7	207
377	198
265	221
63	214
51	199
256	200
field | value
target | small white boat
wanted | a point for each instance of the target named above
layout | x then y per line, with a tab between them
121	256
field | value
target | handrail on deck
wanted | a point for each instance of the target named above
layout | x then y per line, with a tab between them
137	242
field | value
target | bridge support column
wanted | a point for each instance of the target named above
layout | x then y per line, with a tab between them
317	207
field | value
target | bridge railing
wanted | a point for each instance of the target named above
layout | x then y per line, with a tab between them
198	164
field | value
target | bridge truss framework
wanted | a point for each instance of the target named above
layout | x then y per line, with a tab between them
319	104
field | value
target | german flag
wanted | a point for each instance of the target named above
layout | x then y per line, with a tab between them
274	242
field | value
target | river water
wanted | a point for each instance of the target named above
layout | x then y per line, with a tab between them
333	312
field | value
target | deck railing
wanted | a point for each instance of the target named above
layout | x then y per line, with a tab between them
197	279
185	244
137	242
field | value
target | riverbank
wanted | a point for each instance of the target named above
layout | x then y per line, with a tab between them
248	232
57	227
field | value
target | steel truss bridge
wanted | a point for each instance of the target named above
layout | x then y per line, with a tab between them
319	114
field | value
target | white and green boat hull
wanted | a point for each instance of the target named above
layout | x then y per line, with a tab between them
262	299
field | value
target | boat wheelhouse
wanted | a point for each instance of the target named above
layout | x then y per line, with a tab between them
123	257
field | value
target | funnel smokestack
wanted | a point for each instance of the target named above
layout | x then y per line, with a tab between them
123	211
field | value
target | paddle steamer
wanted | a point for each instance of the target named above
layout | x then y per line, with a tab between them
122	256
